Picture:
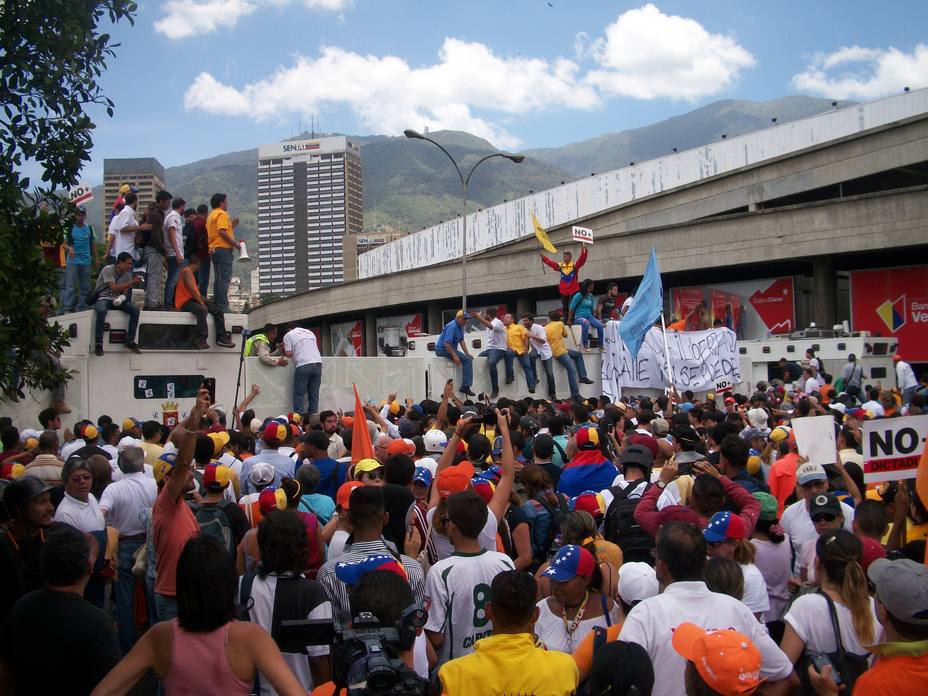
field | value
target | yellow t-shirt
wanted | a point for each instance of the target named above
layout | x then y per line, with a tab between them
510	664
556	332
219	220
516	334
152	452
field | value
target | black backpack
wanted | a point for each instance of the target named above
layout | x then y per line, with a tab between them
620	527
557	517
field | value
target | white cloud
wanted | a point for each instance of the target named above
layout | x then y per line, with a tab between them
854	72
388	95
186	18
646	54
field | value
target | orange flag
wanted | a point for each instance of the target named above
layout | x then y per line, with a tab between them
361	446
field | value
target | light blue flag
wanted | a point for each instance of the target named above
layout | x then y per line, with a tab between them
647	308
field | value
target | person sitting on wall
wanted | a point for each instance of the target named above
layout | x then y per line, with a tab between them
187	298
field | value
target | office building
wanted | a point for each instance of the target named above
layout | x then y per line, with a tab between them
144	173
369	239
309	199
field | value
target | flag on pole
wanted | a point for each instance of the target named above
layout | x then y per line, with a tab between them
361	446
648	306
543	236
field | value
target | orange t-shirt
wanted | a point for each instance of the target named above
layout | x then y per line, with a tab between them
181	294
905	675
583	655
173	525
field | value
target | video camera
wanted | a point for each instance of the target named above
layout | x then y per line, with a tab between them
365	656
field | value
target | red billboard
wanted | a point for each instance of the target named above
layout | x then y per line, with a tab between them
893	302
753	309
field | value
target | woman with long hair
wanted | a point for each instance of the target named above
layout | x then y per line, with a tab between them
582	311
726	536
204	650
580	529
841	578
315	554
540	506
774	559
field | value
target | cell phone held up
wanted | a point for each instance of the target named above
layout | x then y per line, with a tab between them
820	661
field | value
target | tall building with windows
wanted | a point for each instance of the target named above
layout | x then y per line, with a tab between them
309	199
144	173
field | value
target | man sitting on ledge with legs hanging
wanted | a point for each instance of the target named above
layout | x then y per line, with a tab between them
187	298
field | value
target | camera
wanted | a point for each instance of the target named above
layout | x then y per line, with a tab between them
365	656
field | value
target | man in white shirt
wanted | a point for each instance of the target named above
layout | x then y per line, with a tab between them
496	345
173	230
681	556
123	228
78	507
872	403
538	340
905	379
121	504
300	345
809	384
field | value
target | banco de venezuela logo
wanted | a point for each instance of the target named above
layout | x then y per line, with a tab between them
892	312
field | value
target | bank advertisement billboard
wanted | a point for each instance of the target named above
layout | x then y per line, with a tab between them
753	309
347	339
390	329
893	302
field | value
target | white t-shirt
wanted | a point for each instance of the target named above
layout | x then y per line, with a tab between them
539	341
125	241
302	344
496	335
173	220
810	618
875	407
443	546
550	627
71	447
755	590
458	590
811	385
86	517
905	376
337	544
799	527
261	611
651	623
125	499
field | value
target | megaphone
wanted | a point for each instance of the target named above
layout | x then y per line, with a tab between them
243	253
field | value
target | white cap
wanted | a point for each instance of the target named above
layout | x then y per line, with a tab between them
128	441
637	581
255	425
837	406
27	433
435	441
429	464
757	417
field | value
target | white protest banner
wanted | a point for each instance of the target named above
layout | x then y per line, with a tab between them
583	234
80	194
892	447
815	438
699	360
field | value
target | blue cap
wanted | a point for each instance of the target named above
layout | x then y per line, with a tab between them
351	573
423	476
569	562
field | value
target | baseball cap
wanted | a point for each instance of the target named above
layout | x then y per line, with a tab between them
351	573
462	314
366	466
659	426
274	432
902	587
724	526
529	423
768	505
422	476
591	502
255	425
808	472
726	660
401	446
757	417
587	438
216	476
483	487
637	456
220	440
89	432
751	433
81	210
872	551
163	466
128	441
838	406
262	474
435	441
22	490
294	417
684	434
10	471
454	479
824	504
649	442
779	433
343	495
272	498
637	581
569	562
429	464
130	423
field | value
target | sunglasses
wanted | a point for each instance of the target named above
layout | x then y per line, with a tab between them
373	475
824	517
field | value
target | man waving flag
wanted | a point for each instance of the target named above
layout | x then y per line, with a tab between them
647	308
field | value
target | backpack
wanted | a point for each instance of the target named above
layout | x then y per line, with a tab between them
557	517
190	241
620	527
215	523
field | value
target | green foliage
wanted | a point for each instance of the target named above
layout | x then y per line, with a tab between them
52	55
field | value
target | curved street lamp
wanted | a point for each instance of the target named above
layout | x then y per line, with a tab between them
415	135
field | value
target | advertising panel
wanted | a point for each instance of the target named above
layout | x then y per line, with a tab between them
893	302
390	329
347	339
753	309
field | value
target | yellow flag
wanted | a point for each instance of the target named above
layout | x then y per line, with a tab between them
543	236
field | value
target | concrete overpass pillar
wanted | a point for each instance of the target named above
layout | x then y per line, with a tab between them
370	334
524	305
826	292
326	347
433	319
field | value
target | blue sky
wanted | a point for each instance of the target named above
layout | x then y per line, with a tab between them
197	78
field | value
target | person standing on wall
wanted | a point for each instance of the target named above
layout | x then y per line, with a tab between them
221	234
570	271
300	345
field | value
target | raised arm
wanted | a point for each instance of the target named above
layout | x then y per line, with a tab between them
447	457
178	480
550	262
499	503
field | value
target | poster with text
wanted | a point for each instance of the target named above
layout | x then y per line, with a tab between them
347	339
753	309
893	302
390	329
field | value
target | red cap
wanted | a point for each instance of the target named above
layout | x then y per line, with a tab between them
274	432
343	495
401	447
646	441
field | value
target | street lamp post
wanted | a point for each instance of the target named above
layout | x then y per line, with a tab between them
465	181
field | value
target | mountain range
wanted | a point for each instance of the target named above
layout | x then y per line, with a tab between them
411	185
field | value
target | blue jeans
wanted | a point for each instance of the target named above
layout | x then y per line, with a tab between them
222	263
549	374
568	364
125	593
306	380
493	356
467	365
527	367
106	305
203	277
585	324
75	288
166	607
908	394
171	283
